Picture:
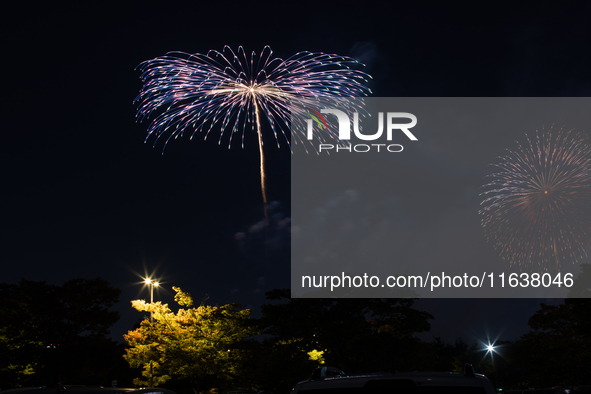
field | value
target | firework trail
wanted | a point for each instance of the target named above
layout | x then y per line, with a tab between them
233	91
537	208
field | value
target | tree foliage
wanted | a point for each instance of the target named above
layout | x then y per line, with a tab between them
46	330
200	345
558	347
557	350
356	335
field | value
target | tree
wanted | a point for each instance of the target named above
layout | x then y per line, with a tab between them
46	330
557	350
356	335
200	345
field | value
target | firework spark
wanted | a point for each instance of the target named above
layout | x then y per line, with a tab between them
232	91
537	210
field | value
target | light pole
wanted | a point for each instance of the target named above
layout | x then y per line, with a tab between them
152	284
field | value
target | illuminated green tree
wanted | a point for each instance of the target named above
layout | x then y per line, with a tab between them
200	345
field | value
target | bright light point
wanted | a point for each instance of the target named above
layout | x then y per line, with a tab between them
147	281
156	284
490	348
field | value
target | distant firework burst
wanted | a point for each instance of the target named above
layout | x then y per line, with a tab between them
233	91
537	208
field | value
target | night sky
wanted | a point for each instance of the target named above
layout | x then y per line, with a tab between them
84	196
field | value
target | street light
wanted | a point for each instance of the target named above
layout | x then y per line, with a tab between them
152	284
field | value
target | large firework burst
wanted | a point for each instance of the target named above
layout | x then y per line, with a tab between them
537	210
232	91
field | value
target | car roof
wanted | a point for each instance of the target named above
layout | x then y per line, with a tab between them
410	382
422	378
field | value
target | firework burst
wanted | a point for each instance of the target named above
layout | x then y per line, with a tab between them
233	91
537	209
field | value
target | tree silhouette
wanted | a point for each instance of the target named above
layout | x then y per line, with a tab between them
356	335
557	350
46	331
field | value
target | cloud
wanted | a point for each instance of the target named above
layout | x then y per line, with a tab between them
268	238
